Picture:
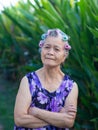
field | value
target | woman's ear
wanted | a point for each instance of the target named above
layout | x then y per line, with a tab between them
66	54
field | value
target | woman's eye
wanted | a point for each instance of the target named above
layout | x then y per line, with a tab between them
46	47
56	49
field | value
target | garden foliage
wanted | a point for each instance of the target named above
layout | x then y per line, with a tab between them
21	27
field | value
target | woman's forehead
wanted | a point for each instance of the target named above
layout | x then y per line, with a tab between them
55	41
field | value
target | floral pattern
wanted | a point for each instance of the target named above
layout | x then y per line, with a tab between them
51	101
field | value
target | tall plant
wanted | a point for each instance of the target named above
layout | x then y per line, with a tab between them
79	20
18	40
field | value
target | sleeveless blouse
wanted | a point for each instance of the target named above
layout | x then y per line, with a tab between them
51	101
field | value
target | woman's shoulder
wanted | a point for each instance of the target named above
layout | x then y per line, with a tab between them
75	86
30	74
70	78
67	77
70	82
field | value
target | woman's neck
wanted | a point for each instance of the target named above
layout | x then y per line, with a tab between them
50	78
51	74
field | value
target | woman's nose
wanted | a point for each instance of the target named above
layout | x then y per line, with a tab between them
51	51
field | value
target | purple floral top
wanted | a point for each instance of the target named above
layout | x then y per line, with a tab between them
51	101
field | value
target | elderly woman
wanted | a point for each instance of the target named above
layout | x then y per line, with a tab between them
47	98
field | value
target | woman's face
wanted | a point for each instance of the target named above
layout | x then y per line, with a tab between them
53	52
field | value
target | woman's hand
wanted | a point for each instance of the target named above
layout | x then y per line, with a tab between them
33	111
30	111
71	110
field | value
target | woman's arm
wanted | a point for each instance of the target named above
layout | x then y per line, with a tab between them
23	101
66	117
71	102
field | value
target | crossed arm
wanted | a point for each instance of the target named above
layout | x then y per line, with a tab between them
34	117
